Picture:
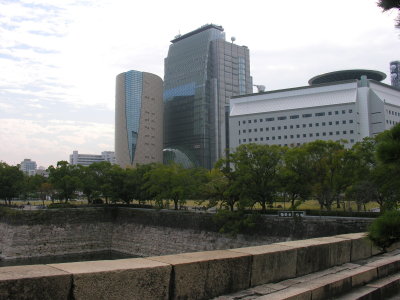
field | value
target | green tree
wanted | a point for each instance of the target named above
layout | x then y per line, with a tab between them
11	182
388	5
256	172
328	160
66	179
170	182
296	175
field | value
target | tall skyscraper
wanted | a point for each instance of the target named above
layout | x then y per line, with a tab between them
395	73
138	118
202	72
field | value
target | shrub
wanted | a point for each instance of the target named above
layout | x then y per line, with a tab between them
62	205
235	222
385	230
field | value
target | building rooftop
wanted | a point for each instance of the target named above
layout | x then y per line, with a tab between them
347	75
202	28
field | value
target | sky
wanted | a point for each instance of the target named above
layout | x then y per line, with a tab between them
59	58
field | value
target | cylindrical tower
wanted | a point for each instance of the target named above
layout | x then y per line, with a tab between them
138	118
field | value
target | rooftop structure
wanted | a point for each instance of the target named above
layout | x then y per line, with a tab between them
344	75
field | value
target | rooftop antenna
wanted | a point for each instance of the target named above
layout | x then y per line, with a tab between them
260	88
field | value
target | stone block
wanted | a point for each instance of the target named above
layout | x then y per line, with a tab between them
312	255
292	293
339	250
271	263
135	278
387	286
386	266
362	275
328	287
203	275
34	282
361	246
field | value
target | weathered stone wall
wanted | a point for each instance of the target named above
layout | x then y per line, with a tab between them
147	232
198	275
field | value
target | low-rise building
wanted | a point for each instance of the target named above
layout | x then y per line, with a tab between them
87	159
345	105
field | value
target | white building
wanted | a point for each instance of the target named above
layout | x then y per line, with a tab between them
87	159
28	167
335	106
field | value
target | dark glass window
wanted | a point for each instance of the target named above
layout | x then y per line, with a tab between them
294	116
307	115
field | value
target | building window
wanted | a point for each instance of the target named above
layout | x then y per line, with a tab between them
337	132
294	116
330	113
351	140
239	142
344	132
282	118
244	140
336	112
285	137
249	130
344	122
250	140
317	124
239	132
307	115
244	130
261	129
291	126
273	128
310	125
261	138
304	135
244	122
350	121
324	133
317	134
331	133
256	139
350	111
267	138
337	122
273	138
320	114
269	119
255	120
261	120
330	123
311	134
343	111
285	127
267	129
323	123
298	135
249	121
291	136
351	131
279	137
239	123
304	125
297	126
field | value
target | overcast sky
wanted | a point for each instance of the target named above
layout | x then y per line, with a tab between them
59	58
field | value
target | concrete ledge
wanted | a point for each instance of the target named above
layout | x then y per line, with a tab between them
135	278
203	275
34	282
271	263
361	247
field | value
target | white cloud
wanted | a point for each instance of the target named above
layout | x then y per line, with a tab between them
47	142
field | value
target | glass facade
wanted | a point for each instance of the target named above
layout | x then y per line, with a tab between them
133	103
202	71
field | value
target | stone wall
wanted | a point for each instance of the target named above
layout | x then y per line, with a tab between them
146	232
198	275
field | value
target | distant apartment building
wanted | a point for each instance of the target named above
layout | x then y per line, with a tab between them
345	105
138	118
28	167
87	159
395	74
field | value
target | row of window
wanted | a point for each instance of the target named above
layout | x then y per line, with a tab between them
292	117
391	122
292	136
392	112
295	126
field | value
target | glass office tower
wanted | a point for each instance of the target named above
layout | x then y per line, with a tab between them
202	72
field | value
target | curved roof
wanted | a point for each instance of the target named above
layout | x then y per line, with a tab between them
347	75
